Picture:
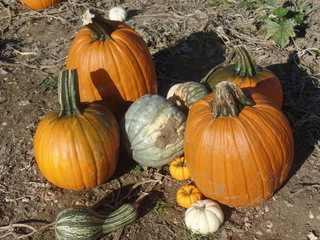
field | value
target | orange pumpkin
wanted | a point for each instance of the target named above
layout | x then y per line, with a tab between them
246	74
39	4
239	151
178	169
187	195
77	147
113	63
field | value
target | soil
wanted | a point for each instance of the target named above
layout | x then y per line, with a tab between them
186	39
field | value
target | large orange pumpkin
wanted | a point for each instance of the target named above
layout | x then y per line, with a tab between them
239	151
77	147
39	4
113	63
247	74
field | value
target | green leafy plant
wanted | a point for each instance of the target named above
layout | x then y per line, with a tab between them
159	209
280	23
137	169
48	82
194	236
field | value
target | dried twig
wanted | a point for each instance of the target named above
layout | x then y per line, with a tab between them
305	187
137	185
10	229
33	66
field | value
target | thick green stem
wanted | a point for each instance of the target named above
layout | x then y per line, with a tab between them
69	98
246	65
228	100
99	26
181	163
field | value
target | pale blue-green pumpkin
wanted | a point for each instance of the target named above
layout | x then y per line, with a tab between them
152	131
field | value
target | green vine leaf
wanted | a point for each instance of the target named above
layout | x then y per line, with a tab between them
280	12
280	32
271	3
299	17
224	4
303	6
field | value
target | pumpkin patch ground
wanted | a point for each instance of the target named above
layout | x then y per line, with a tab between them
186	40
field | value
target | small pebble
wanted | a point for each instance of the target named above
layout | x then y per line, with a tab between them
311	215
288	204
24	102
269	224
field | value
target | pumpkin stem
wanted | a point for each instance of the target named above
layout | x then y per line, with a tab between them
246	65
181	163
99	26
228	100
69	98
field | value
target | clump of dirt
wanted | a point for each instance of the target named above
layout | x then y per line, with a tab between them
186	39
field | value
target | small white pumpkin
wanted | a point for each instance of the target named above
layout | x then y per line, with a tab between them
204	217
118	14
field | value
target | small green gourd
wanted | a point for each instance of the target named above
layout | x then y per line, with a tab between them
82	223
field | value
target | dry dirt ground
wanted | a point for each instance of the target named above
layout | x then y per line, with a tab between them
186	38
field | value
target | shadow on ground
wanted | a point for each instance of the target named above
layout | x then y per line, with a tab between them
190	60
301	106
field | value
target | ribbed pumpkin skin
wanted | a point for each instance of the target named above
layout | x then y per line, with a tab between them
264	82
81	223
187	195
39	4
238	161
178	169
116	72
79	151
204	217
152	131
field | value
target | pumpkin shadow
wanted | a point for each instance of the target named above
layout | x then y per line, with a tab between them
227	212
99	79
118	197
190	60
125	163
300	105
132	13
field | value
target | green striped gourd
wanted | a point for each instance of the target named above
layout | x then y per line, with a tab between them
183	95
82	223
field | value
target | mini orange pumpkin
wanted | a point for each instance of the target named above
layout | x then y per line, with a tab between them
39	4
178	169
187	195
77	147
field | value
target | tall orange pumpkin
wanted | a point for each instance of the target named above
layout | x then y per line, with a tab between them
39	4
113	63
239	151
247	74
77	147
